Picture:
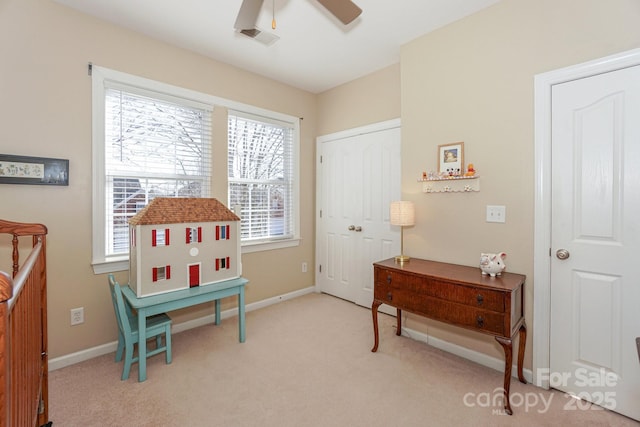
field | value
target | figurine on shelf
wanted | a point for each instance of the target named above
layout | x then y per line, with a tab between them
470	170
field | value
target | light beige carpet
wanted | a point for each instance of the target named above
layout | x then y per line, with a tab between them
305	362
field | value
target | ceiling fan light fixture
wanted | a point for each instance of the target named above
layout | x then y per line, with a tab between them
345	10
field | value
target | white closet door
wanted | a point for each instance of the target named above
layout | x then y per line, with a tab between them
595	240
358	176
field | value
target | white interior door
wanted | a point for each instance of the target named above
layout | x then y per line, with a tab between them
358	177
595	239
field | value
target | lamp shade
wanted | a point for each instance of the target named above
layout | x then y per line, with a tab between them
402	213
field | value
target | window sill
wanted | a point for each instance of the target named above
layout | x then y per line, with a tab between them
248	248
111	265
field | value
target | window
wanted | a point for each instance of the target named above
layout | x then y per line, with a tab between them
160	237
150	140
194	234
223	232
262	174
223	263
161	273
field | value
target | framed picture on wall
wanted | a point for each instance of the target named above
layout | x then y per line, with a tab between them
33	170
451	158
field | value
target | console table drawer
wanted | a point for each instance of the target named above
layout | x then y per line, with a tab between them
443	310
468	295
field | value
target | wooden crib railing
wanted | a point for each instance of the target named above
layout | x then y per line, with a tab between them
23	331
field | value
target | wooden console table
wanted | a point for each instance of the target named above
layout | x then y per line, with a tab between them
458	295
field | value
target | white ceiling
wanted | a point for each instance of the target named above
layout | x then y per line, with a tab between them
315	51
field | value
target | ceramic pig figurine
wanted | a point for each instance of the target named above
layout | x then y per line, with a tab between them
492	264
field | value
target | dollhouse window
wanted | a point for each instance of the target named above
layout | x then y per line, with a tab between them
223	264
161	273
160	237
193	234
222	232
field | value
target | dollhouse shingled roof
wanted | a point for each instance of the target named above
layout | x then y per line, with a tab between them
174	210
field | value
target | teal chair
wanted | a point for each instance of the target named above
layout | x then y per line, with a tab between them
157	326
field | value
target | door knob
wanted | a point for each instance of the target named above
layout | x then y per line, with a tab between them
562	254
352	227
358	228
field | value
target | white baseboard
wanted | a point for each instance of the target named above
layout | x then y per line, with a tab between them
90	353
472	355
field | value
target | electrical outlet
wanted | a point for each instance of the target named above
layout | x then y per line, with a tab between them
496	213
77	316
304	267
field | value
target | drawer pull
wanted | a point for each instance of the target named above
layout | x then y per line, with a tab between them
480	299
389	279
480	321
390	296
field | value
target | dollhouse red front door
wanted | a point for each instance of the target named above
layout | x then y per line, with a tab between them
194	275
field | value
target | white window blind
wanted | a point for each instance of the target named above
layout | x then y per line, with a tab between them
261	176
155	145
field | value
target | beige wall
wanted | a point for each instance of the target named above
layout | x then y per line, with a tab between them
472	81
46	111
370	99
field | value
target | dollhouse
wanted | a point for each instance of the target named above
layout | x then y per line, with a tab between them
178	243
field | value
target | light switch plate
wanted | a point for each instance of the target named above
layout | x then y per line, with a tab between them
496	213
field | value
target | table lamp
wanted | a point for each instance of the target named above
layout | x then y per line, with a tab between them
402	213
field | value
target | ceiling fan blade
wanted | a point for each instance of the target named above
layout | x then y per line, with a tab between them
345	10
248	14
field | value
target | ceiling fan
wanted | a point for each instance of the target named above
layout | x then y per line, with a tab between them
345	10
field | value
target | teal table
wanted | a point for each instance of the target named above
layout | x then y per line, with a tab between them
155	304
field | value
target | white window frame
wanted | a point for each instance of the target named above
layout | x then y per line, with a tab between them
101	264
294	240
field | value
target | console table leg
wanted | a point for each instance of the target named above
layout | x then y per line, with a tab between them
522	341
507	345
399	318
374	313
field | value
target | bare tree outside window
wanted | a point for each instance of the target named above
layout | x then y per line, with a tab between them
260	177
153	148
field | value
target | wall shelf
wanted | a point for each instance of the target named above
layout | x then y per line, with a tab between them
462	184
